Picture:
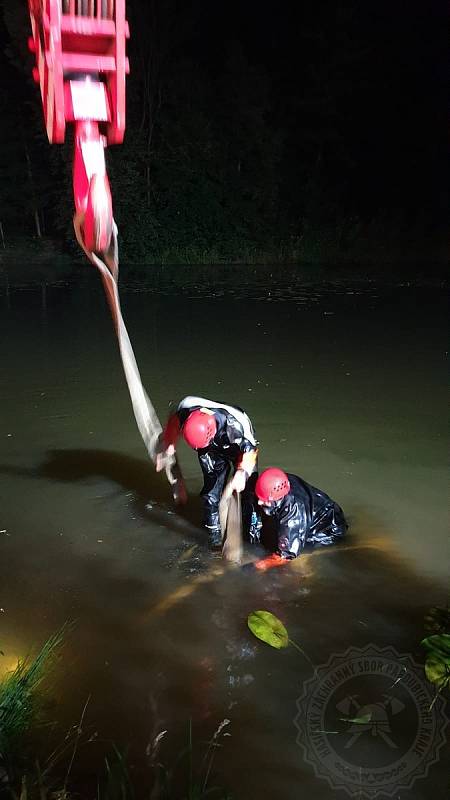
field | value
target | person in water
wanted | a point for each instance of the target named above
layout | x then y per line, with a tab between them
224	439
302	514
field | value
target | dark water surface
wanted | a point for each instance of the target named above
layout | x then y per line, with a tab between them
345	388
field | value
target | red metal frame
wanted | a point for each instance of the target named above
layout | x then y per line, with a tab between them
81	67
67	43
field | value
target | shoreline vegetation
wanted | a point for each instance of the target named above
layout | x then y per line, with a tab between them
41	761
28	262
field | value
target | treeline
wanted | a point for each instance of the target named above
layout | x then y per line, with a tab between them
251	136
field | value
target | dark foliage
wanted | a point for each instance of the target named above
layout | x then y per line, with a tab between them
302	132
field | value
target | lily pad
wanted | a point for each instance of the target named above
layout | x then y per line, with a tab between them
268	628
439	643
437	671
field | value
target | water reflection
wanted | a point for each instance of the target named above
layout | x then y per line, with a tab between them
161	634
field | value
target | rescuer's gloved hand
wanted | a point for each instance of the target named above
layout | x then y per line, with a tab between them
239	480
162	456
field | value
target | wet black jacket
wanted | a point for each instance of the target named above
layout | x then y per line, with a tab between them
306	515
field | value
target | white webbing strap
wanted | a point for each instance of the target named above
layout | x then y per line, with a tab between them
146	418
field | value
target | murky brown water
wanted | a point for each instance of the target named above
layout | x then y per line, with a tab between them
344	388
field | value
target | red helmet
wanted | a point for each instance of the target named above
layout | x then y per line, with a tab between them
199	428
272	485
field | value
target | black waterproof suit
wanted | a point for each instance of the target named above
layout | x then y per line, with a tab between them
233	446
306	515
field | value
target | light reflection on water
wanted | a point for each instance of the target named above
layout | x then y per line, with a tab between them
8	663
347	391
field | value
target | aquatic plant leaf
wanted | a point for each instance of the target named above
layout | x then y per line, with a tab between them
268	628
439	643
437	671
364	719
